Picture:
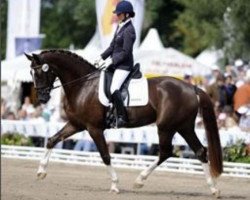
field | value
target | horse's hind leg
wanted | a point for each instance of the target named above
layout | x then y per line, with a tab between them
165	146
64	133
201	152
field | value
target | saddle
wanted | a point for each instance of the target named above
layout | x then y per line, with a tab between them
134	92
108	75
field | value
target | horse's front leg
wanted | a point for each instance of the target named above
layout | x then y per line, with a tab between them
99	139
64	133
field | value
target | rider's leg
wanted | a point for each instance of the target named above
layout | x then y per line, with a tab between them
118	79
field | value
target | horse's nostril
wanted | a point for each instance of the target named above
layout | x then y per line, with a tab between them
43	101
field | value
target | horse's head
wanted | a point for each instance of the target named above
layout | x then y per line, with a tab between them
43	77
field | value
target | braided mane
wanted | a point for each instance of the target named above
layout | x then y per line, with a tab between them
67	53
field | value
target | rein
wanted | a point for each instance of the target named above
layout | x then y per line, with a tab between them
78	79
102	67
86	77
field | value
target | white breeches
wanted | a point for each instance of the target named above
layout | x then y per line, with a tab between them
118	79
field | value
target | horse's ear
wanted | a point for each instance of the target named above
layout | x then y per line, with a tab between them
37	58
28	56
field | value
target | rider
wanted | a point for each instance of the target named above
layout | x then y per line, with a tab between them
121	53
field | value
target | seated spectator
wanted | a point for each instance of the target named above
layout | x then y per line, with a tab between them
218	94
242	103
21	115
242	95
188	78
4	109
85	145
241	72
215	73
10	116
143	149
244	121
36	115
226	119
230	89
229	69
27	105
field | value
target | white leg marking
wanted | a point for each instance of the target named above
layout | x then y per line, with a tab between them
210	181
139	182
114	179
41	173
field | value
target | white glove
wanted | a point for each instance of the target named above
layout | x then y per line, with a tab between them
108	62
99	62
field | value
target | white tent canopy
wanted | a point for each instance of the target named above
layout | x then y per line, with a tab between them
157	60
16	69
169	62
210	57
152	41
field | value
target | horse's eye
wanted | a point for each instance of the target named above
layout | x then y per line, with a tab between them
45	67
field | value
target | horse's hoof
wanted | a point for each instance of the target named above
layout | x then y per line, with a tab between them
138	185
114	191
216	193
41	175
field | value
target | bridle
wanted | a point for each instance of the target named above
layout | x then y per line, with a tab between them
47	89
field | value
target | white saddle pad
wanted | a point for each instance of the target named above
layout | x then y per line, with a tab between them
138	92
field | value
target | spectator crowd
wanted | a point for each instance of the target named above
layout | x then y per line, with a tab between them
229	91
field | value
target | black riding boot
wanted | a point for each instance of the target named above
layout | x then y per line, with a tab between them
122	118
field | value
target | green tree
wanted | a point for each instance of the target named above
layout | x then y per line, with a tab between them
161	14
238	28
200	24
63	23
67	22
223	24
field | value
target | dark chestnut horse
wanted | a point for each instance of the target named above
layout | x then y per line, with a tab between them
173	105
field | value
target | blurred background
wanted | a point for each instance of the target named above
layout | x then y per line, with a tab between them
205	43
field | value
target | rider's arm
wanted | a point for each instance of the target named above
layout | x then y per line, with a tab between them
129	39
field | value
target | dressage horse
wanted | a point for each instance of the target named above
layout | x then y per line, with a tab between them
173	105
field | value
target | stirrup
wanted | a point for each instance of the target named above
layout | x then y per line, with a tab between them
120	122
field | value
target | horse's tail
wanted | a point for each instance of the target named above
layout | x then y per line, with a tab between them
212	133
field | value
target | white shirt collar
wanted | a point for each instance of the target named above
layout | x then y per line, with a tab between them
122	24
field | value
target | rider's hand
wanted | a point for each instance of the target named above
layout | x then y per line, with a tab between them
108	62
99	62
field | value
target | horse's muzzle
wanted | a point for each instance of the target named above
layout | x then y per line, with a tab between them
43	95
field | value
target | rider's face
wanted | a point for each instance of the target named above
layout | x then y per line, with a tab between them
121	17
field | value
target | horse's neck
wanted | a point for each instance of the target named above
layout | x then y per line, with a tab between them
71	72
68	67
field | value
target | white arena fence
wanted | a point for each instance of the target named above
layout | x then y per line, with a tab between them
146	134
121	161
